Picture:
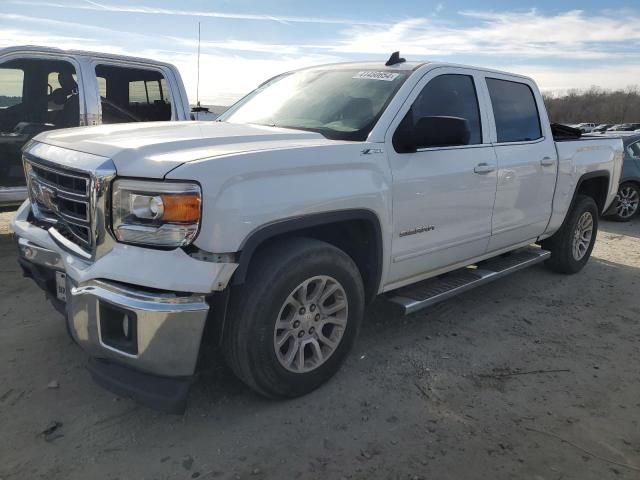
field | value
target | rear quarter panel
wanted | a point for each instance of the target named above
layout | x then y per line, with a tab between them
578	158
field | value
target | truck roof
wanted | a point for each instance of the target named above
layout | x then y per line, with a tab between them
370	65
78	53
407	66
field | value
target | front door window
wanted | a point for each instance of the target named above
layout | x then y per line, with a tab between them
35	96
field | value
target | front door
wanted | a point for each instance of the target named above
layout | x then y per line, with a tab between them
442	196
36	94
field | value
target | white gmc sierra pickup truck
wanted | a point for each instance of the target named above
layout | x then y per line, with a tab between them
270	230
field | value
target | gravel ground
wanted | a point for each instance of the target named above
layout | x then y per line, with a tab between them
5	218
452	392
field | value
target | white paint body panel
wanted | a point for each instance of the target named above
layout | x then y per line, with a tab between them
151	149
525	186
258	188
254	176
525	192
437	187
578	158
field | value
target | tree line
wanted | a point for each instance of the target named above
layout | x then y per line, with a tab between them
595	105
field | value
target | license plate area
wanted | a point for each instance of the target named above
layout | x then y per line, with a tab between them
61	286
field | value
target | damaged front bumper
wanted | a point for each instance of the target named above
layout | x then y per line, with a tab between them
144	342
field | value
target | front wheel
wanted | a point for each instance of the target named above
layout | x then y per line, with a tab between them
627	202
295	319
571	246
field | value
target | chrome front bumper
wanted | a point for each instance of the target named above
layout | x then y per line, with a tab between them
163	331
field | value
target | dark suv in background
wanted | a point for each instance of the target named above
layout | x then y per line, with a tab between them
627	201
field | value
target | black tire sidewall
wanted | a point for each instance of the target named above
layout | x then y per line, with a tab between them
261	309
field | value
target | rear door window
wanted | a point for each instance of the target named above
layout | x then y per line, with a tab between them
133	94
515	111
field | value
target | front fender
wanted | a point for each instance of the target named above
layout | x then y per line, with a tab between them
244	192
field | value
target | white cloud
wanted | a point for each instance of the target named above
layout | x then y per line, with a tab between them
12	37
240	46
571	35
92	5
562	79
567	28
89	29
232	66
224	78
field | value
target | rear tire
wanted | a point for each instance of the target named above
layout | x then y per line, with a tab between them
627	202
571	246
293	322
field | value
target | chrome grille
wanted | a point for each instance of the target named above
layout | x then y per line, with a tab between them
61	198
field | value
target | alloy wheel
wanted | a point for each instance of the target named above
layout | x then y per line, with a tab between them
582	235
311	324
628	201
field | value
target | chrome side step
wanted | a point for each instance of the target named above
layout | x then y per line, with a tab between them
428	292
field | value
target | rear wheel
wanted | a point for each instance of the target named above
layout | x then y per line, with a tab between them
627	202
571	246
295	319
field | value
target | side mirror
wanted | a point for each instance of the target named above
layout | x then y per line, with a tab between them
441	132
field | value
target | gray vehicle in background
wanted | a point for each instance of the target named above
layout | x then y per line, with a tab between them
44	89
627	202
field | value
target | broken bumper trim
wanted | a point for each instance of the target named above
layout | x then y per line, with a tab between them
167	394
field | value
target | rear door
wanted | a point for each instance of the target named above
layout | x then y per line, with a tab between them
527	161
442	196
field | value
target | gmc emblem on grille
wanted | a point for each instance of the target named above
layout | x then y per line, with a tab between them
44	195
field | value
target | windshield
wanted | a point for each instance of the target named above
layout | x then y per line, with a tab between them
339	104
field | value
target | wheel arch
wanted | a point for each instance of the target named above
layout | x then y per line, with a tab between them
594	184
357	232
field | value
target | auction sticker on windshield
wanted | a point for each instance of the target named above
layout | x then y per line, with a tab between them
385	76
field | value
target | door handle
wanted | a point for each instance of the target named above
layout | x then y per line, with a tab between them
483	168
547	162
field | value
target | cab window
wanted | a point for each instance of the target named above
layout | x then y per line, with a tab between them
132	94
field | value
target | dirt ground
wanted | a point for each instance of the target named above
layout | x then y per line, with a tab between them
434	395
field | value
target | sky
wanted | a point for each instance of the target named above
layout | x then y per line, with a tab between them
562	45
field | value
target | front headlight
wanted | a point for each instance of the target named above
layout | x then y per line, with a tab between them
163	214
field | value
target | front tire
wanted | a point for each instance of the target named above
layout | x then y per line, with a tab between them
627	202
293	322
571	246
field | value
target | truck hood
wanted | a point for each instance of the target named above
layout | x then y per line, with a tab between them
155	148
